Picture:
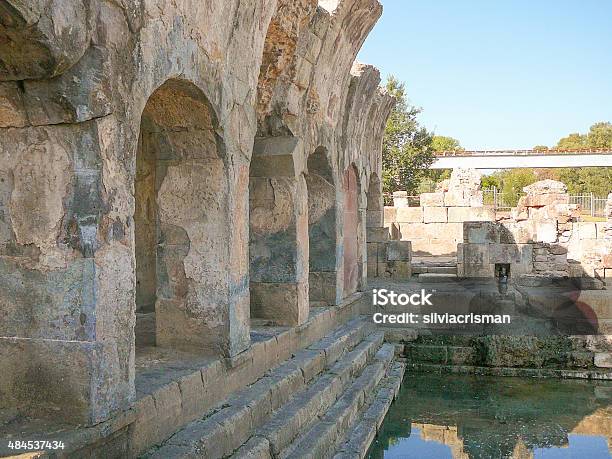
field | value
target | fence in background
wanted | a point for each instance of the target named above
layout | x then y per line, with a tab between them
492	197
589	204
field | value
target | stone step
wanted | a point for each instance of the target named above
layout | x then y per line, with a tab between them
434	269
308	406
220	433
432	278
323	437
433	264
359	437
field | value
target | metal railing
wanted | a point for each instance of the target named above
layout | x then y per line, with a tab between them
590	204
576	151
493	197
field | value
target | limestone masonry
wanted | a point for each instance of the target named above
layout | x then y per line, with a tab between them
193	164
542	238
190	209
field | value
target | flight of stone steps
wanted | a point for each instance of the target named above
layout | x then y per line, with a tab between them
327	401
435	269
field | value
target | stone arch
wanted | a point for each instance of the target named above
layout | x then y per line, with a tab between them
350	230
322	261
180	219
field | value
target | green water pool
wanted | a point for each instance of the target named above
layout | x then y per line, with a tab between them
463	416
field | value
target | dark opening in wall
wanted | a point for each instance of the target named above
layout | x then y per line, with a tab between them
502	270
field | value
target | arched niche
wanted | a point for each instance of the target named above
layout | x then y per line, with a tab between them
322	229
181	223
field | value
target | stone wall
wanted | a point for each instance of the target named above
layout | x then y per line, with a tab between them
542	238
155	155
435	227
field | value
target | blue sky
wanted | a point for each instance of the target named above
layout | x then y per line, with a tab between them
499	74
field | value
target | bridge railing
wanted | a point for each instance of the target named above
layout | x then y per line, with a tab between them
574	151
493	197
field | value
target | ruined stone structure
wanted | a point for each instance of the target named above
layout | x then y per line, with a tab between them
435	227
200	166
542	238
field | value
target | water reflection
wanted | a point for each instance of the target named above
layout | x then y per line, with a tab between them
456	416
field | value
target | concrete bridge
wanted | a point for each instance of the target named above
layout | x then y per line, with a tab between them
512	159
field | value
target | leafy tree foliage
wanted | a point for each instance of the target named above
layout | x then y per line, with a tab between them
596	180
407	150
490	181
441	143
512	181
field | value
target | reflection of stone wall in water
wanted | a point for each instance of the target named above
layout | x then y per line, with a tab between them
479	416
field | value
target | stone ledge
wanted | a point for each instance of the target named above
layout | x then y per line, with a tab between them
134	430
605	375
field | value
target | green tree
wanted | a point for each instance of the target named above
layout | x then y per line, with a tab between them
512	181
596	180
441	143
407	150
600	136
490	181
572	141
584	180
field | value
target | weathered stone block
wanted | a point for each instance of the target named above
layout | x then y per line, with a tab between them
540	200
374	218
587	230
470	214
476	261
432	199
410	215
390	214
399	269
412	231
284	304
193	400
481	232
398	251
70	377
169	410
442	247
603	359
400	199
461	355
418	353
546	231
504	253
435	215
380	234
456	198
